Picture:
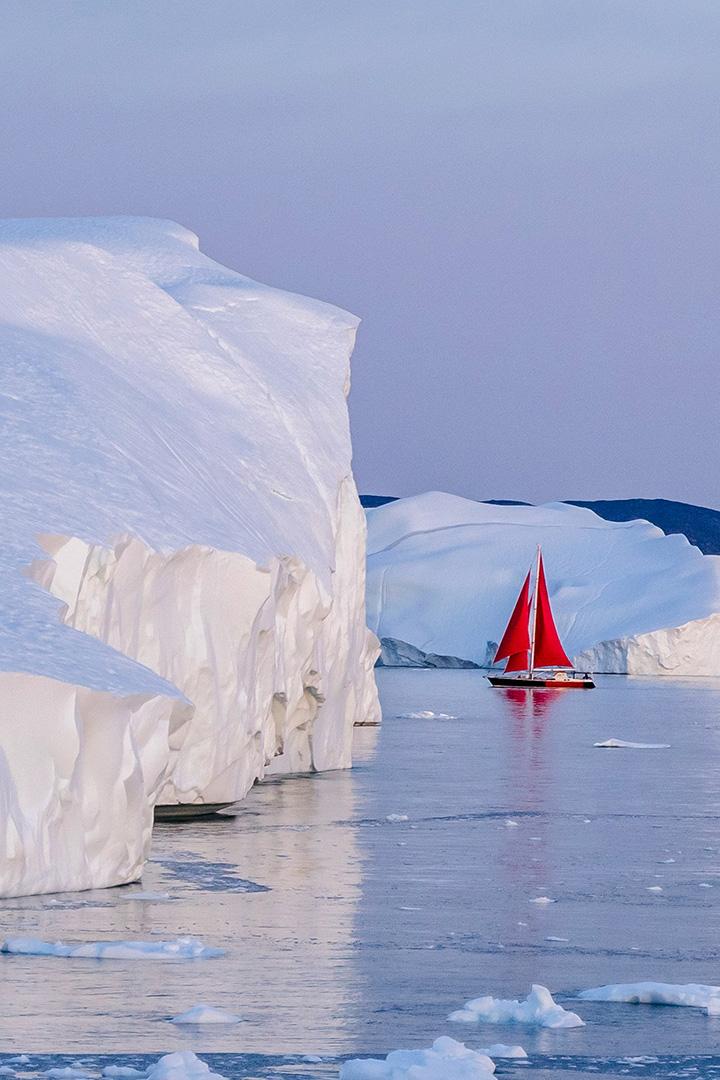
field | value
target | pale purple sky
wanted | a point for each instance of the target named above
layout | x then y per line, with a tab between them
521	199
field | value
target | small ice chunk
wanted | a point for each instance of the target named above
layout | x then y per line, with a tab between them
618	744
69	1072
654	888
510	824
693	995
446	1059
7	1070
538	1008
183	1065
397	817
206	1014
183	948
543	900
122	1072
502	1050
552	938
19	1059
426	714
704	885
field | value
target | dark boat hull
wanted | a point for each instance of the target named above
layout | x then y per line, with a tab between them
530	684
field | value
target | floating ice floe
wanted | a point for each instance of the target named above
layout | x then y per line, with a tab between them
426	714
206	1014
394	818
502	1050
693	995
122	1072
67	1072
543	899
182	948
446	1059
539	1008
183	1065
619	744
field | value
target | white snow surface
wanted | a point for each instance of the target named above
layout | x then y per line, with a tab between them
206	1014
446	1059
444	573
183	546
182	948
694	995
538	1008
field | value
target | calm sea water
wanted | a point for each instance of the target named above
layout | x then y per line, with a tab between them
351	934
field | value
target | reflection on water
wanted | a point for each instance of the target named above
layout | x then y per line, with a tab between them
526	704
358	909
277	887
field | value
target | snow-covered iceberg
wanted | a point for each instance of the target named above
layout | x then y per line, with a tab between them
444	573
692	995
182	557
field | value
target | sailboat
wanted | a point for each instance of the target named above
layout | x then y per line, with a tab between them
531	644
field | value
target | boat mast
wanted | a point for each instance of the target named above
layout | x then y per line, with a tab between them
533	617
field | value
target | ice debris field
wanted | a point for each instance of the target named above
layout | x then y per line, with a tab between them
444	572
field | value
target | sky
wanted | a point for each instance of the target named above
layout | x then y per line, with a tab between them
520	199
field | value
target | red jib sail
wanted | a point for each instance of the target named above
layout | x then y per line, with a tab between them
516	639
517	662
548	648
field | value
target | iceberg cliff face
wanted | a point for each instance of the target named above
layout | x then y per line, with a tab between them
181	527
444	573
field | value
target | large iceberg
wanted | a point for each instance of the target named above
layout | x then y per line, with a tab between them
444	573
182	565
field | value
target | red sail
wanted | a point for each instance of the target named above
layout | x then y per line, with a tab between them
516	638
548	648
517	662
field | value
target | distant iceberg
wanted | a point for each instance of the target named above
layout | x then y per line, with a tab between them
443	574
182	560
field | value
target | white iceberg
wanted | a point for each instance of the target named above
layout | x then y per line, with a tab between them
693	995
538	1008
182	948
183	546
206	1014
444	573
446	1059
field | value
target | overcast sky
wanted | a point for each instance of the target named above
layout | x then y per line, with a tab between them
520	198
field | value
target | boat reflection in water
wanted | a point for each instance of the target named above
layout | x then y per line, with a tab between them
525	703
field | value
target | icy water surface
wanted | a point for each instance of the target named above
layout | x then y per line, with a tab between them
351	934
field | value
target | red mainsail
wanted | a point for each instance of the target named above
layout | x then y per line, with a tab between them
548	648
516	639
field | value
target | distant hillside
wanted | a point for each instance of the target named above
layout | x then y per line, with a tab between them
699	524
370	501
